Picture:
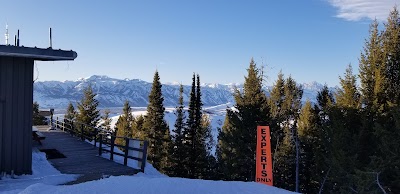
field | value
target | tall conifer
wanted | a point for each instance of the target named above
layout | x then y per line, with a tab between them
156	127
237	141
88	114
178	154
124	124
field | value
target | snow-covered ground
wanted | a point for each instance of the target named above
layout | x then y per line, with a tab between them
43	173
46	180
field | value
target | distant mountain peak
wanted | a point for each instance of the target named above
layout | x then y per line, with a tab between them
112	92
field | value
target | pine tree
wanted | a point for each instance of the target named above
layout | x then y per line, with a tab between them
156	127
277	97
371	68
348	95
70	116
88	114
345	125
123	126
373	86
178	154
237	140
138	130
322	115
210	166
310	157
189	134
37	118
285	159
107	120
194	136
386	128
391	52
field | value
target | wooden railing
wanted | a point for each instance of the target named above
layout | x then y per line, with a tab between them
105	140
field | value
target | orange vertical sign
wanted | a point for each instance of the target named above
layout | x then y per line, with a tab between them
263	156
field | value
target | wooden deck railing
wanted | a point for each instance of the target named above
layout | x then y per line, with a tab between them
131	149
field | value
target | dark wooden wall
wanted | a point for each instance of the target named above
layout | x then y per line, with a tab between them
16	98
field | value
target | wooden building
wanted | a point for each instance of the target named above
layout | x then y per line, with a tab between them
16	99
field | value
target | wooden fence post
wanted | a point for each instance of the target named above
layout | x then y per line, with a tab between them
126	151
112	148
63	126
100	144
144	155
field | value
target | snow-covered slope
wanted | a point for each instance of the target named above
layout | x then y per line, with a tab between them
113	92
48	180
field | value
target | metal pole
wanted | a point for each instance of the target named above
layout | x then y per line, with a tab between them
51	41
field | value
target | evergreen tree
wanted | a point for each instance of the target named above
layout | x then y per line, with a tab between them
286	159
310	157
277	97
210	166
138	130
345	125
391	52
178	154
195	136
107	120
37	118
189	134
371	68
237	140
70	116
123	126
386	129
157	130
348	95
322	115
88	114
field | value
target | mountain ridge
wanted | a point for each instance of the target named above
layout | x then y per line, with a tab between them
112	92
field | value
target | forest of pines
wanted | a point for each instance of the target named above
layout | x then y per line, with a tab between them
347	142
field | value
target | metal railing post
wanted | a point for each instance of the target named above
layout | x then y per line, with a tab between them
56	122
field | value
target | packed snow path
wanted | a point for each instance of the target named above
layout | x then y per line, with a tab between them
81	158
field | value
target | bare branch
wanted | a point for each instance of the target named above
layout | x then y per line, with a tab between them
379	184
323	182
351	188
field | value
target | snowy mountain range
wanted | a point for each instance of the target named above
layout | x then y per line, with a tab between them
113	92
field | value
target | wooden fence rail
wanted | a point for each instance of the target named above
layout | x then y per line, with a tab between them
131	149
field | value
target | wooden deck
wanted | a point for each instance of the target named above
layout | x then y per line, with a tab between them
81	158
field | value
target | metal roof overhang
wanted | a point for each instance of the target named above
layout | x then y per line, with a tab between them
39	54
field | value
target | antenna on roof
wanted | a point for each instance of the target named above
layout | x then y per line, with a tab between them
18	38
51	41
6	35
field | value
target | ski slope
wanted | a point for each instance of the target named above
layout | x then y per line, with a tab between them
46	180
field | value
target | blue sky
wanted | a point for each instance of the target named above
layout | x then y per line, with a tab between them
311	40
